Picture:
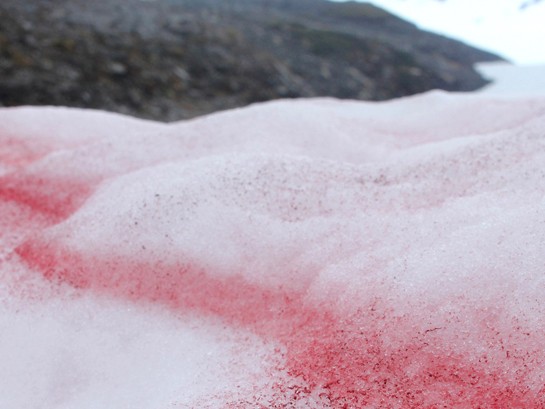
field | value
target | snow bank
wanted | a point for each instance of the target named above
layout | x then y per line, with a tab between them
511	80
304	254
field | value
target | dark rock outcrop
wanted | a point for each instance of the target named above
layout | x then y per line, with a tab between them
173	59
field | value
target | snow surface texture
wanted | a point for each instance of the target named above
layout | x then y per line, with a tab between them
293	254
511	80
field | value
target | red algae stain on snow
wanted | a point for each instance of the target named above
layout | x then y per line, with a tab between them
357	368
356	361
57	198
16	152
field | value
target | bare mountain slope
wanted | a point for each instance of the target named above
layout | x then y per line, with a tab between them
173	59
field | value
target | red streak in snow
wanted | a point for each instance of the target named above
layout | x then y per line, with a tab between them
351	361
56	198
15	152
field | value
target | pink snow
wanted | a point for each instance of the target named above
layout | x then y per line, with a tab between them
305	254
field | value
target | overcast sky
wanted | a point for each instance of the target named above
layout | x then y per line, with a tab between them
496	25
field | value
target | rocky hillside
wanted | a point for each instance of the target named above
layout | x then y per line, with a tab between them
174	59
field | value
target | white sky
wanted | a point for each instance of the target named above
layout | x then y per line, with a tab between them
495	25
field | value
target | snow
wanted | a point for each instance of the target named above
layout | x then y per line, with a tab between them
512	80
91	353
502	27
311	253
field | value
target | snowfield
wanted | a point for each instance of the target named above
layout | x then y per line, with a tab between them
292	254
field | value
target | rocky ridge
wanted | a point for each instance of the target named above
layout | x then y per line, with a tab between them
176	59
